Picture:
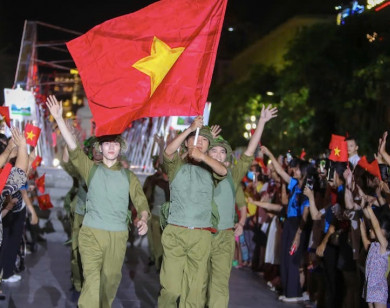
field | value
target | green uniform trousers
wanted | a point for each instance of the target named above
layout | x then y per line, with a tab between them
102	255
184	267
220	265
75	262
155	232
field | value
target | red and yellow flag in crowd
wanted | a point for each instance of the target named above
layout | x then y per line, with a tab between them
338	149
4	112
44	202
372	167
40	182
157	61
37	162
4	173
32	133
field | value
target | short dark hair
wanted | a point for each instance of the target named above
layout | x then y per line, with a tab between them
350	138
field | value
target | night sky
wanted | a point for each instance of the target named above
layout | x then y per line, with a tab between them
251	19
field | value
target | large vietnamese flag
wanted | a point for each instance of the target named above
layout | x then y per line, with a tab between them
157	61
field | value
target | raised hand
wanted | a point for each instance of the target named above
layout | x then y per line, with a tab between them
268	113
382	144
18	138
198	123
265	150
215	130
54	106
159	140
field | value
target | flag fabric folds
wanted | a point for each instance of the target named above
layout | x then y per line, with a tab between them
4	174
4	112
44	202
37	162
32	133
157	61
40	182
372	167
339	149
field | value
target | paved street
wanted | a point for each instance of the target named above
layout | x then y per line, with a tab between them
45	282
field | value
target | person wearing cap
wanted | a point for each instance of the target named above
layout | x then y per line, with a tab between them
227	194
104	233
77	207
186	239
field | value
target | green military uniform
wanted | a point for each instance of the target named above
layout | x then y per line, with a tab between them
186	240
77	211
156	190
104	233
223	244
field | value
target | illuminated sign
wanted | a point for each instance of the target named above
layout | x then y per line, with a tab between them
382	6
373	3
353	9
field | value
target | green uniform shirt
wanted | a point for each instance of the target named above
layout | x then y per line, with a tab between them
191	194
81	194
109	212
226	190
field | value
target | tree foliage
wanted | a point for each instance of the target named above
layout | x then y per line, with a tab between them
335	81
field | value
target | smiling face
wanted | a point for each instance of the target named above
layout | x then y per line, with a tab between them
218	153
110	150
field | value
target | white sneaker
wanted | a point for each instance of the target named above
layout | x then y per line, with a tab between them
13	278
281	297
292	299
305	296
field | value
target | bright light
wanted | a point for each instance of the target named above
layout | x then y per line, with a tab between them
69	114
270	93
248	126
254	125
230	29
56	162
337	8
246	135
253	118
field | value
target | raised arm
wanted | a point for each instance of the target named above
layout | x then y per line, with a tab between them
363	232
20	141
215	165
266	115
172	147
278	168
377	229
55	109
314	212
382	148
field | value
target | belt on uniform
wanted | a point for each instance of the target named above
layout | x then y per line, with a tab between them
210	229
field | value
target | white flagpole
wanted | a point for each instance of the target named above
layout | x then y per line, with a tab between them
196	136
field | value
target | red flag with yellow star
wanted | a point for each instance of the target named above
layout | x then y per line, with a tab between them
157	61
32	133
36	163
372	167
44	202
40	183
338	149
4	112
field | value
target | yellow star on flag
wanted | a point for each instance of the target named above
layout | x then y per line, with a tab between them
157	65
30	135
337	151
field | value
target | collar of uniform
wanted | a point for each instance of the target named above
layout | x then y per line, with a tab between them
116	166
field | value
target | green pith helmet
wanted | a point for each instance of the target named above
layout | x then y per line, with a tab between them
220	142
89	144
205	131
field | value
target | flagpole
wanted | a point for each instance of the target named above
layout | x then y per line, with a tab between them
196	136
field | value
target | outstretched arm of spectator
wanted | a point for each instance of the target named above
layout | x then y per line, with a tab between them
321	248
363	232
20	141
266	115
278	168
314	212
382	148
30	207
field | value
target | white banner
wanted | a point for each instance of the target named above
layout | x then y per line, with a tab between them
21	104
